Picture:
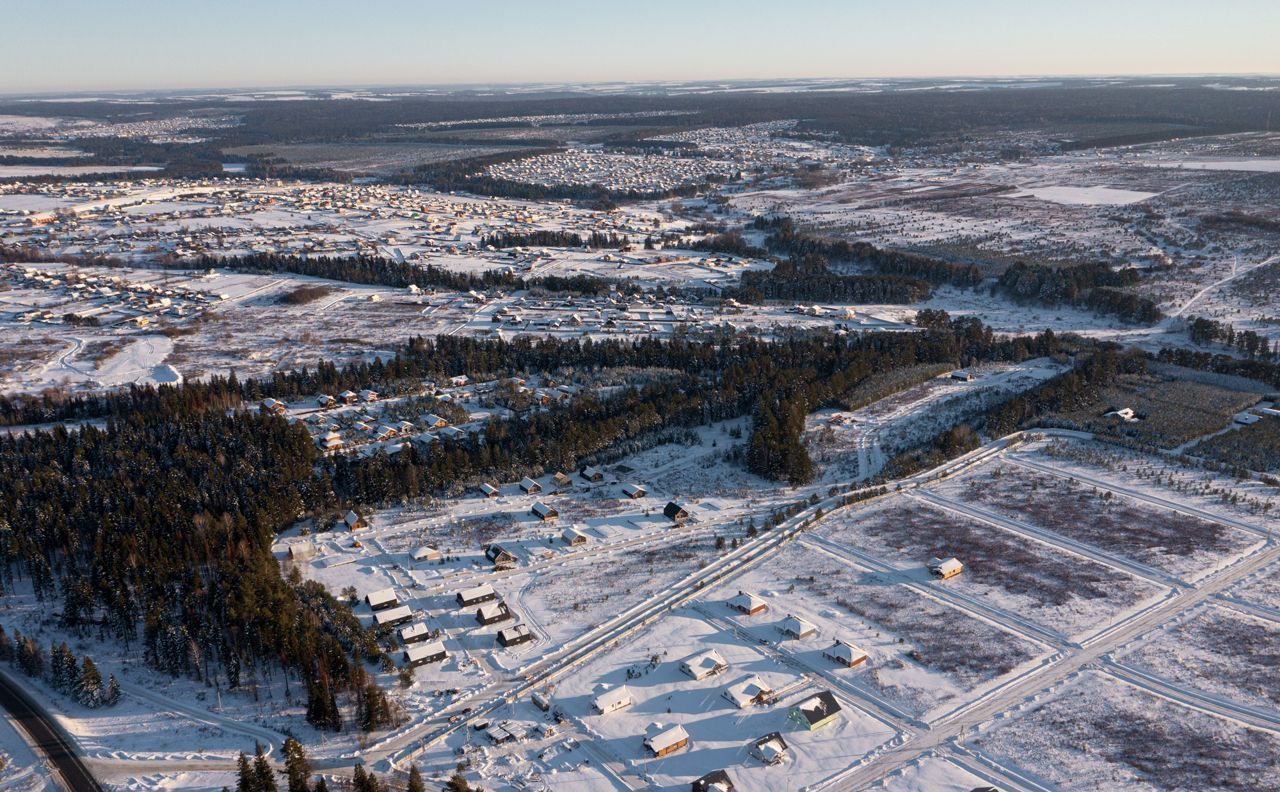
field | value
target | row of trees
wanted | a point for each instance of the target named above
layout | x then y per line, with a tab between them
79	680
1247	342
808	278
256	775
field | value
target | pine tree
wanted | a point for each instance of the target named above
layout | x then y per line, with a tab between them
415	780
321	785
457	784
297	768
264	778
112	695
246	781
89	692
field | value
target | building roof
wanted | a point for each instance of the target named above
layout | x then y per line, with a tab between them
528	483
747	601
477	592
661	737
708	661
426	552
415	630
845	651
573	535
613	697
393	615
517	632
715	781
818	708
381	597
543	510
673	509
747	691
940	567
794	625
770	747
493	610
424	650
632	489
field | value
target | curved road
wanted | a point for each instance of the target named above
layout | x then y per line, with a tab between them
46	738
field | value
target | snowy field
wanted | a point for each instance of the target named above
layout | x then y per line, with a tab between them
1095	732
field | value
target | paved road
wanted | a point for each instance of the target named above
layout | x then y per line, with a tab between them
47	739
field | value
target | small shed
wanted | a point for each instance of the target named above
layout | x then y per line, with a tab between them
945	569
425	553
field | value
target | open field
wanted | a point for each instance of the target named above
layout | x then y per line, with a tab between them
1098	733
1177	543
1218	651
1051	587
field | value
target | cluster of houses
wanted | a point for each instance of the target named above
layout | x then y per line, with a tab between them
615	172
490	609
333	429
104	299
794	627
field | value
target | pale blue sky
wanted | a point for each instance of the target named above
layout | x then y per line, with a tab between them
84	45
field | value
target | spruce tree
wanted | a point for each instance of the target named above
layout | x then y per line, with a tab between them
263	776
246	781
296	766
415	780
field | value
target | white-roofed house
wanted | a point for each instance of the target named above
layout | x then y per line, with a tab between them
425	553
423	653
797	628
529	486
476	595
845	653
393	617
611	699
662	739
747	603
704	664
945	569
633	491
418	631
382	599
751	690
770	749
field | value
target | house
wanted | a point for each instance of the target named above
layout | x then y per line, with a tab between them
962	376
325	401
747	603
845	653
474	596
529	486
348	397
612	699
816	711
489	491
434	421
421	654
562	481
751	690
331	441
797	628
715	781
675	512
662	740
494	612
500	556
1125	414
544	512
573	537
353	521
393	617
425	553
414	633
382	599
592	474
704	664
633	491
514	636
541	701
367	395
301	551
770	749
945	569
459	381
274	407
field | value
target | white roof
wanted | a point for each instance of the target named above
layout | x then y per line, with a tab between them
663	737
613	697
514	632
413	631
710	659
479	592
845	651
746	601
528	483
744	692
542	508
488	488
632	489
381	597
939	566
797	625
393	614
426	551
572	534
492	610
420	651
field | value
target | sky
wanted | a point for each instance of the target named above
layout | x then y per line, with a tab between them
88	45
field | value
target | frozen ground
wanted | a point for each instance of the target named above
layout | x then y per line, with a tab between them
1095	732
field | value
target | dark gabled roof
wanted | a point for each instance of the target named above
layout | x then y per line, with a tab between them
772	737
715	776
673	509
819	707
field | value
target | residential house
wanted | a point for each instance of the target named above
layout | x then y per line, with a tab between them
747	692
529	486
421	654
770	749
414	633
797	628
816	711
544	512
353	521
514	636
662	740
611	699
704	664
393	617
633	491
494	612
844	653
675	512
747	603
474	596
489	491
592	474
425	553
499	556
382	599
715	781
945	569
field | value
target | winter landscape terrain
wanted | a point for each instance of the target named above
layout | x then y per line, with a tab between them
779	436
